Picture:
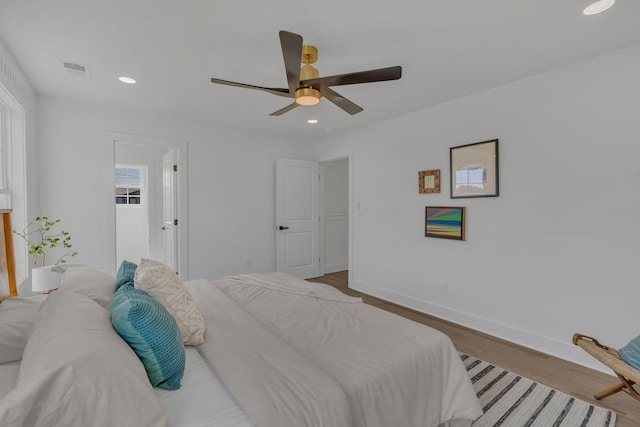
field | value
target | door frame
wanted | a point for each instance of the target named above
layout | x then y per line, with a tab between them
167	219
180	147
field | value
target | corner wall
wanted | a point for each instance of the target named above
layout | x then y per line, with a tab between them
557	252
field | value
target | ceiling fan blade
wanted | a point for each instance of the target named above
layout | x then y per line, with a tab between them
370	76
341	101
273	90
291	44
284	110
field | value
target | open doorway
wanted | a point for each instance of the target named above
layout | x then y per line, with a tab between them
133	239
334	207
145	198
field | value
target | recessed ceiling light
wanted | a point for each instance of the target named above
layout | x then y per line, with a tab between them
597	7
312	121
127	80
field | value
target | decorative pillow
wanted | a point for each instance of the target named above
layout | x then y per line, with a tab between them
146	263
16	324
77	372
630	353
89	282
164	285
152	333
125	275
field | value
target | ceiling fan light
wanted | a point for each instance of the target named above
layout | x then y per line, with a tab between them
307	96
598	7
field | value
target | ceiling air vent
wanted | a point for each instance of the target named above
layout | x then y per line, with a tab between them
76	69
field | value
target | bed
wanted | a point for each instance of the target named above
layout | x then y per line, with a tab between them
277	351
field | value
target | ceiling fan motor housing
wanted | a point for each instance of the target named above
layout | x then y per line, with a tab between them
306	95
309	54
308	72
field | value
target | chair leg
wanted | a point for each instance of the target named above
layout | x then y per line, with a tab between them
628	387
625	385
608	392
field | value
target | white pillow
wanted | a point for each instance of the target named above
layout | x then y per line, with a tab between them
163	284
89	282
16	324
76	371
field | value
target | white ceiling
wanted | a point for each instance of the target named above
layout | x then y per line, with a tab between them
447	48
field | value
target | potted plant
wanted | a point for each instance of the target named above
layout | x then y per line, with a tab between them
41	237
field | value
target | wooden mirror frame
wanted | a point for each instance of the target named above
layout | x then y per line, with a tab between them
422	175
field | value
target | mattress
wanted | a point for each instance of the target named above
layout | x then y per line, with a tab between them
202	400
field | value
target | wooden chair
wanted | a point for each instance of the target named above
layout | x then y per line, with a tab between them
627	374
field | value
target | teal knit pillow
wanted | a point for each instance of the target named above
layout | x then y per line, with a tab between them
125	274
152	333
630	353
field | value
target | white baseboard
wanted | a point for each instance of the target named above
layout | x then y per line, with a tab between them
548	345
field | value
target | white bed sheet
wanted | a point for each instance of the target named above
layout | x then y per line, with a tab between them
393	371
8	377
202	400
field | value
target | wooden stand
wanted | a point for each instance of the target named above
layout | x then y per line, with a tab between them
7	258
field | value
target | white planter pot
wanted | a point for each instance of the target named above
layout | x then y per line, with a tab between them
43	279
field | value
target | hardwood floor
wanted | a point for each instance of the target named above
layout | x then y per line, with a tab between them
565	376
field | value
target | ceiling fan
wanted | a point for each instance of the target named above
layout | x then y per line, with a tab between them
305	84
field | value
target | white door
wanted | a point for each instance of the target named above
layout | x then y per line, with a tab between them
169	217
297	218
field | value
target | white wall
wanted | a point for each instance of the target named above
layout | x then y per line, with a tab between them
335	214
231	180
557	252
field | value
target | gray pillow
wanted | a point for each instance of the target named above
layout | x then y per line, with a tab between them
16	324
88	281
77	372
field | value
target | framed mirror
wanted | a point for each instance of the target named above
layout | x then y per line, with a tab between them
429	181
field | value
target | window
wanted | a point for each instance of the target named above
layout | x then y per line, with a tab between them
13	172
129	185
6	162
4	138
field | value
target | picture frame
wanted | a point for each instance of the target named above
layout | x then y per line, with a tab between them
474	170
429	181
445	222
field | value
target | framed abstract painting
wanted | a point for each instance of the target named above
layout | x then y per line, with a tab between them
445	222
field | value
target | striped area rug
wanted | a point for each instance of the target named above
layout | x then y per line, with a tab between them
510	400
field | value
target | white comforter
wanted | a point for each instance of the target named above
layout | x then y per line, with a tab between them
344	363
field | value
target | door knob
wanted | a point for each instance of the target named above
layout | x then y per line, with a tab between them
283	228
163	228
